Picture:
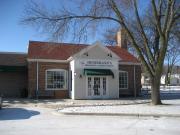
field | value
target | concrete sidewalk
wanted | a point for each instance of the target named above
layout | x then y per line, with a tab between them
171	108
119	107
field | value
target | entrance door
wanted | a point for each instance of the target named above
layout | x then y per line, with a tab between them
97	86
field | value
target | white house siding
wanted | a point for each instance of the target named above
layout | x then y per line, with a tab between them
79	80
174	79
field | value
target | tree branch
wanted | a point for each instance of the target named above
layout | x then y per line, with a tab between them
169	17
148	50
158	23
67	17
172	20
122	22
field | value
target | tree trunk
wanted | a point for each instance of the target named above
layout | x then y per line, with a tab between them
167	79
168	75
155	90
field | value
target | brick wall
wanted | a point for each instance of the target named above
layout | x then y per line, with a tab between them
43	66
138	79
13	84
131	88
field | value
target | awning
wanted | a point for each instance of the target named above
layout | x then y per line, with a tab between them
98	72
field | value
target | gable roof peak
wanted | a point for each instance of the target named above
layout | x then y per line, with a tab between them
98	43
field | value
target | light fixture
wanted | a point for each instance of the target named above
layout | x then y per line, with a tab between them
80	76
86	53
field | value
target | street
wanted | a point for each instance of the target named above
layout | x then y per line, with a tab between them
36	120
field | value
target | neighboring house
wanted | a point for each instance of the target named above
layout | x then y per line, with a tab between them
77	71
175	75
13	74
174	79
145	79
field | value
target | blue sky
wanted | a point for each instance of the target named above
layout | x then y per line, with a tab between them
15	37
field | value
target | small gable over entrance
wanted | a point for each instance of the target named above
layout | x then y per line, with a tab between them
96	51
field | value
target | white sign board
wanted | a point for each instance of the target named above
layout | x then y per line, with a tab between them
97	63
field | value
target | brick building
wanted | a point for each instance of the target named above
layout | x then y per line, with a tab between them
77	71
13	74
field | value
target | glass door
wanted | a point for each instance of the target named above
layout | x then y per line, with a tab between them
104	87
90	86
96	86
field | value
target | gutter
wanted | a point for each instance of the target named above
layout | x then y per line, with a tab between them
129	63
47	60
135	81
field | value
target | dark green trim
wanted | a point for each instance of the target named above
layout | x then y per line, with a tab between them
13	68
98	72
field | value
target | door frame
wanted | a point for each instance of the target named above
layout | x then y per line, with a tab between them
101	91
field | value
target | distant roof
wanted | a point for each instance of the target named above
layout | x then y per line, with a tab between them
13	59
62	51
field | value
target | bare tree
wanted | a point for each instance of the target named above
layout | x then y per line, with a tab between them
172	58
110	37
173	52
94	14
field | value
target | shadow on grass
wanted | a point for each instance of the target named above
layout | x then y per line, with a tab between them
16	113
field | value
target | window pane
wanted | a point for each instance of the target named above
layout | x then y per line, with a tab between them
89	86
49	79
123	80
104	86
55	79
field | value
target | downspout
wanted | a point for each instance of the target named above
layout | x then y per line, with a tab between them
135	81
37	79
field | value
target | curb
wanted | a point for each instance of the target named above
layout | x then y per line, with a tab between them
121	114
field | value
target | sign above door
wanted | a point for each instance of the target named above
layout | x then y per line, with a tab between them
98	63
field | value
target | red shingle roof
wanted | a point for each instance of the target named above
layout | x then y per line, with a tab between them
123	54
62	51
57	51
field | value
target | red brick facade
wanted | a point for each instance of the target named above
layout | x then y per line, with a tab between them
55	54
132	89
43	66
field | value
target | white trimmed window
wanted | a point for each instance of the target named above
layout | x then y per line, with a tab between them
123	80
56	79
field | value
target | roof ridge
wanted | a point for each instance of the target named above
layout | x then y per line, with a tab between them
56	43
67	43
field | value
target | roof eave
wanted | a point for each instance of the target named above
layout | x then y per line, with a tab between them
129	63
47	60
